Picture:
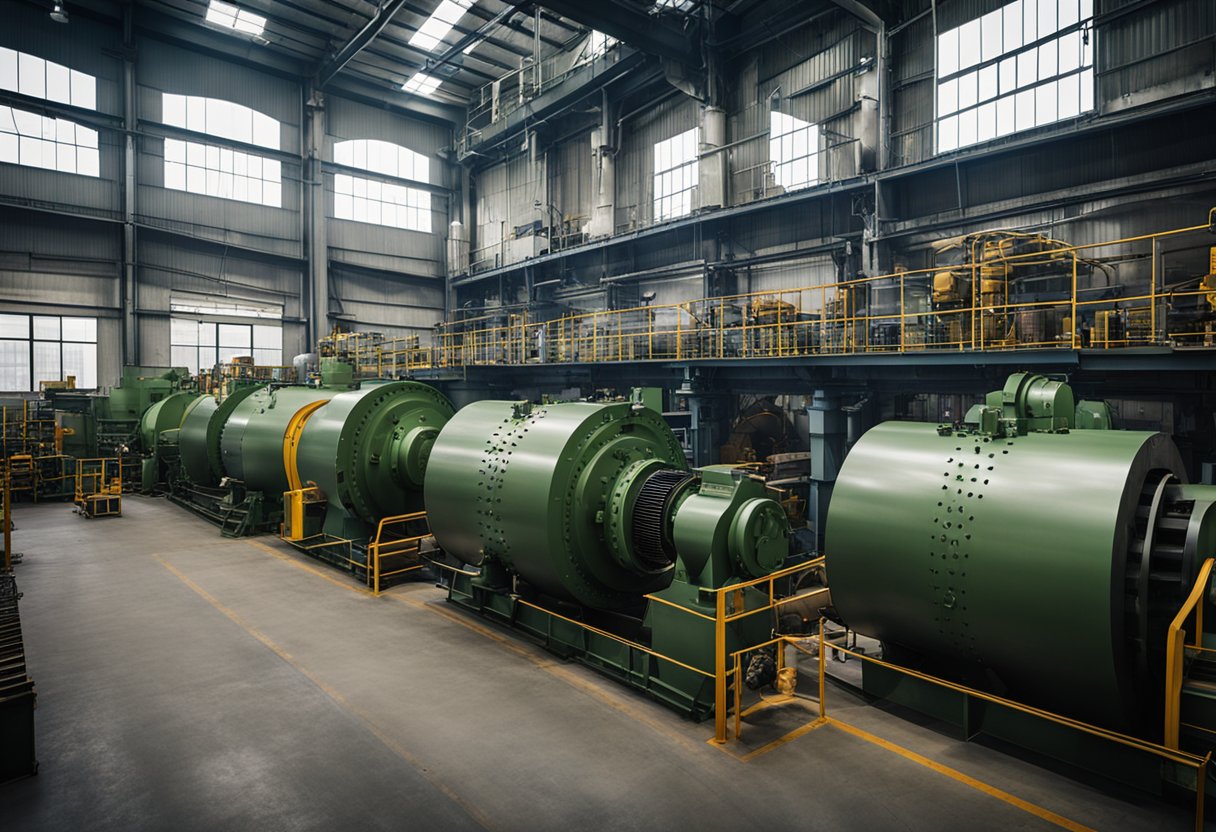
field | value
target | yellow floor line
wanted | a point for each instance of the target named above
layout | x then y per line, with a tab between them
477	815
557	669
554	668
1024	805
747	757
320	573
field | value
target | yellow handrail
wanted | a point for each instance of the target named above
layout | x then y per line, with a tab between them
379	548
1175	642
833	318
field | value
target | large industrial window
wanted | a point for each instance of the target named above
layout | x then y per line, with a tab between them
200	345
37	348
1024	65
212	170
675	175
38	141
382	203
793	146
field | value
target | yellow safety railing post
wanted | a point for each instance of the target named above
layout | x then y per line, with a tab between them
1076	325
1174	650
720	668
679	331
738	696
822	672
902	312
1152	292
721	328
8	520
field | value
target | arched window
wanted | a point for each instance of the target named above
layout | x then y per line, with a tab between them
39	141
213	170
375	201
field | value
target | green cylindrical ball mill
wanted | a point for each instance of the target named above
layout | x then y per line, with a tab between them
367	449
165	414
252	442
199	440
544	491
1021	556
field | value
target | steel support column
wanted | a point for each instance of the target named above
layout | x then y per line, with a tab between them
129	294
314	207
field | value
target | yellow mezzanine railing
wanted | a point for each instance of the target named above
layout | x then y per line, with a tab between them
906	311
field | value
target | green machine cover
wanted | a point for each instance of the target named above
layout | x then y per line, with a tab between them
251	444
1015	554
201	429
529	487
367	451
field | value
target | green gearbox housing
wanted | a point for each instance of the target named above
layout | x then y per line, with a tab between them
589	508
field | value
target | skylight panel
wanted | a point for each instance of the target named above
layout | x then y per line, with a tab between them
232	17
421	84
437	26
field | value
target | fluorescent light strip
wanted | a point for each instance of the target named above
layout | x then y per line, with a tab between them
231	17
437	26
422	84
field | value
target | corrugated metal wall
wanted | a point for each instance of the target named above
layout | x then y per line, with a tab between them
59	260
635	158
507	196
1151	52
822	89
389	279
834	45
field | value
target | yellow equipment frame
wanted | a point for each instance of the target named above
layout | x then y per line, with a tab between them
99	487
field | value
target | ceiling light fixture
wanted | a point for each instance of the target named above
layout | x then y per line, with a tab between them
59	14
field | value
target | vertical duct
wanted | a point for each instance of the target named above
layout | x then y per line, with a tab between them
713	158
458	249
603	176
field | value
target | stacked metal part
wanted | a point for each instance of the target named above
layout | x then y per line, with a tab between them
590	507
1019	553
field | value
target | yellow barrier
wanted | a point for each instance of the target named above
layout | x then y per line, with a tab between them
385	544
99	487
391	540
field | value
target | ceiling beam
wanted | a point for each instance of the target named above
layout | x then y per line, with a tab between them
872	13
629	25
475	36
332	66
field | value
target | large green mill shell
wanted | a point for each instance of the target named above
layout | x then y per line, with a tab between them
164	415
367	449
199	440
1004	553
251	445
525	486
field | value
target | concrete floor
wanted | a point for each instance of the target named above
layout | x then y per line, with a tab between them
190	682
